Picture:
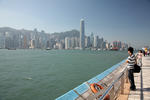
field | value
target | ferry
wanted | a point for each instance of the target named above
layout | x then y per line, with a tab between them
48	48
114	49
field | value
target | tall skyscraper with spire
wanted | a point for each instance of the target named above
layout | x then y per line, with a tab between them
82	34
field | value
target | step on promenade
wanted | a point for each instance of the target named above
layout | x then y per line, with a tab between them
142	82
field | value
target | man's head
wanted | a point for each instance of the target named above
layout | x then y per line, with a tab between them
130	50
140	51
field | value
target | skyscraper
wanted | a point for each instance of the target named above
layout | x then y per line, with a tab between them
2	40
119	44
67	43
115	44
82	33
96	41
87	42
92	40
32	44
25	42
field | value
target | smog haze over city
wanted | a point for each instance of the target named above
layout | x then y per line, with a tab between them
121	20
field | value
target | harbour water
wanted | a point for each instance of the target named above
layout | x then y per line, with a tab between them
45	75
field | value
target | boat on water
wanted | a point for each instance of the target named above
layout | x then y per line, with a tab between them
114	49
48	48
11	48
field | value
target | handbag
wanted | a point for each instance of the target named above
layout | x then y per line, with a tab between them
137	68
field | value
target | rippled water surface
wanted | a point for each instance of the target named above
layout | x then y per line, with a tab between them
45	75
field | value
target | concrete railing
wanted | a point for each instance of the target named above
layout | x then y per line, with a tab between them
112	80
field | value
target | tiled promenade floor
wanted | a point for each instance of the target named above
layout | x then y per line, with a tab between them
142	82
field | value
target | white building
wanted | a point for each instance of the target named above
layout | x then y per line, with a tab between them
67	43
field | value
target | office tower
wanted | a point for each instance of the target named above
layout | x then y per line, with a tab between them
82	33
96	41
119	44
104	45
25	42
8	40
91	40
32	44
115	44
20	40
47	44
58	45
2	40
100	42
108	45
77	41
87	42
73	42
66	43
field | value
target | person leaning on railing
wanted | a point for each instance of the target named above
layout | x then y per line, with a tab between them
131	62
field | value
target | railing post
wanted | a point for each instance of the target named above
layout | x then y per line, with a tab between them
127	77
112	95
122	84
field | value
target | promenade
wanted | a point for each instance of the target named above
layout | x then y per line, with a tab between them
142	81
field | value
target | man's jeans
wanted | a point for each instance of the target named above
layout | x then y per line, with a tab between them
131	78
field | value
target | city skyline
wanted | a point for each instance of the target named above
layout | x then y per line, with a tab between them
126	20
27	39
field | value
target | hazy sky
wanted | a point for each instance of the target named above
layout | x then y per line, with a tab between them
125	20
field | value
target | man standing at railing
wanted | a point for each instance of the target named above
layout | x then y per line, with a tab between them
131	62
